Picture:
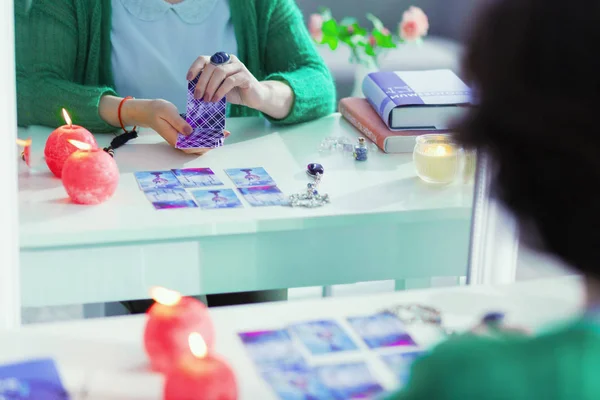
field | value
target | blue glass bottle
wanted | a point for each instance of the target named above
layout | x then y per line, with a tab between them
360	150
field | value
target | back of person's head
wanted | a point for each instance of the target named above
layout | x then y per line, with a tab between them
535	67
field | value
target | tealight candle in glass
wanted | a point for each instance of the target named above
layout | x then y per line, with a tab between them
436	158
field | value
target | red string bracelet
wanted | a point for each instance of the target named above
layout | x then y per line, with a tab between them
119	113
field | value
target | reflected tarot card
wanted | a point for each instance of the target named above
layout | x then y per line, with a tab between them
34	379
197	177
350	381
163	199
214	199
264	196
206	119
323	337
381	330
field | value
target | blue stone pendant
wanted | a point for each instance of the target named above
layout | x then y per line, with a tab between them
315	169
220	58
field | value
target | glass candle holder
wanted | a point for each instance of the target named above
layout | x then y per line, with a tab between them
436	158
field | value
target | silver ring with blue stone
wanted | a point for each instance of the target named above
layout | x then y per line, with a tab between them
220	58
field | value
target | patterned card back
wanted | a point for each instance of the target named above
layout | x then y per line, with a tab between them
206	119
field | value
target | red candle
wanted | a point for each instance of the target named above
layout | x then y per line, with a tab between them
200	376
89	175
26	153
170	321
58	148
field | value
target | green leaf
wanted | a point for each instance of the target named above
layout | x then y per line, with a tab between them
359	30
331	41
330	28
326	13
369	50
383	40
377	24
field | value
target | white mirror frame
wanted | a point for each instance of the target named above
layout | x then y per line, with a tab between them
494	237
10	293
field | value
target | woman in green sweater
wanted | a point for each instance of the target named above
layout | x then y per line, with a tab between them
86	56
535	66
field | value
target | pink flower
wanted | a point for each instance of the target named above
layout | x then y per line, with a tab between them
372	41
315	25
385	31
414	25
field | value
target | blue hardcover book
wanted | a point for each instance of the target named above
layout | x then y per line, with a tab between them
417	100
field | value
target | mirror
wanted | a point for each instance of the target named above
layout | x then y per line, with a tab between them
382	228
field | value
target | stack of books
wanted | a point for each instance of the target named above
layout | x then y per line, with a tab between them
399	106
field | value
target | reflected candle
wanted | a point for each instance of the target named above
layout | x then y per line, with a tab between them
58	148
170	321
89	175
436	159
200	376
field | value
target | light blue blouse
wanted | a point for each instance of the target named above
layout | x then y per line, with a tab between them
154	43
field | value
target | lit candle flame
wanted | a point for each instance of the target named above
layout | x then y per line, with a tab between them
440	151
24	143
80	145
67	118
166	297
197	345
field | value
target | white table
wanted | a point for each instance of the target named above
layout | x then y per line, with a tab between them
383	223
106	355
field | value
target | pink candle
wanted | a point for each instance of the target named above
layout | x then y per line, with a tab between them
200	375
170	321
89	175
58	148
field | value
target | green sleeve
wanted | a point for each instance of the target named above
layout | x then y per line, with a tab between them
470	368
50	70
291	57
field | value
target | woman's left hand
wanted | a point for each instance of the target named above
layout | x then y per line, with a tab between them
231	80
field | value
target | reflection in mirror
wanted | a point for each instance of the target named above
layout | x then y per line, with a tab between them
377	206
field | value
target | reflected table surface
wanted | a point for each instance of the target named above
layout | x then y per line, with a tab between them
382	223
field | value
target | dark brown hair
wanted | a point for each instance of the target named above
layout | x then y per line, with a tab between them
535	68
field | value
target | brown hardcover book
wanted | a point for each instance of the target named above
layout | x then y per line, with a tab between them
359	113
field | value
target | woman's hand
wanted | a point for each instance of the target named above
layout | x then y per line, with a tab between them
239	86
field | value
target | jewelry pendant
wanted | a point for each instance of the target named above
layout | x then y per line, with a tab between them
311	198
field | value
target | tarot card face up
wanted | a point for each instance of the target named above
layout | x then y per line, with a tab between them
271	348
297	382
322	337
264	196
197	177
163	199
214	199
206	119
381	330
350	381
148	180
400	363
247	177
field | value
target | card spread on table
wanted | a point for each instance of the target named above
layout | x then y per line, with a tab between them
400	363
35	379
297	382
163	199
322	337
262	196
206	119
271	348
381	330
350	381
213	199
197	177
149	180
247	177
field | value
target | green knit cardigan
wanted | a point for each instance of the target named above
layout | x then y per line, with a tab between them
63	54
561	364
